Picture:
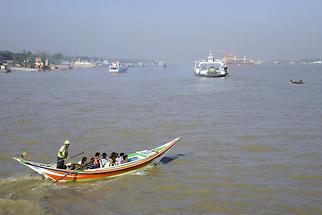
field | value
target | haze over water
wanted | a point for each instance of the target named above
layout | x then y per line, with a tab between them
175	31
251	141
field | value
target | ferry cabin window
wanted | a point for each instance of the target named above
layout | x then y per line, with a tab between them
215	65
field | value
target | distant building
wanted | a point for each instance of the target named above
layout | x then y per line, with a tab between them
232	59
83	64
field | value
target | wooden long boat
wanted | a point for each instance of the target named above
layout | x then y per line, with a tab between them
136	161
297	81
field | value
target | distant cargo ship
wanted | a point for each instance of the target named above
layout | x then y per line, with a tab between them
211	67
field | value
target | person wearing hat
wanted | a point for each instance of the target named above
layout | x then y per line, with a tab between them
62	155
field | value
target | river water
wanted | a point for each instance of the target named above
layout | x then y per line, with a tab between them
252	142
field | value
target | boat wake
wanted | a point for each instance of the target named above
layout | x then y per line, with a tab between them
142	172
19	179
12	187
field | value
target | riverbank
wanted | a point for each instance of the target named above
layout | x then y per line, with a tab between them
25	69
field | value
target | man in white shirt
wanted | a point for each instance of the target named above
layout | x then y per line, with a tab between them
103	160
62	155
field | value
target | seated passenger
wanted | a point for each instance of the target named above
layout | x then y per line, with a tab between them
125	158
112	158
83	161
97	160
104	160
81	165
119	159
91	164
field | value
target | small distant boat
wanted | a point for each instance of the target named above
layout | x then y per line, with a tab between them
297	81
163	64
116	67
136	161
211	67
4	68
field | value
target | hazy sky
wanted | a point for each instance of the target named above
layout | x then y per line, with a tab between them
173	30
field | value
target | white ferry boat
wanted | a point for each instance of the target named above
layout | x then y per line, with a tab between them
211	67
116	67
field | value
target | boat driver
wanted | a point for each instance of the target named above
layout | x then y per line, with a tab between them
62	155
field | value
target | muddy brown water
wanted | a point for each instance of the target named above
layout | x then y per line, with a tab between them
252	142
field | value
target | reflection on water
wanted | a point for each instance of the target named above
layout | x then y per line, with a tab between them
251	141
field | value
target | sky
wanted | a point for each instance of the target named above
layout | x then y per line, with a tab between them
177	31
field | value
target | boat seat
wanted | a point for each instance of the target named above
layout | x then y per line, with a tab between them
130	159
